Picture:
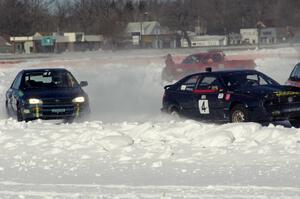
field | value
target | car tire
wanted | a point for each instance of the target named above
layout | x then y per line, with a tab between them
19	115
69	120
8	113
295	122
174	112
239	114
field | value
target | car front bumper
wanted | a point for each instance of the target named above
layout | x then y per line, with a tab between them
31	112
276	113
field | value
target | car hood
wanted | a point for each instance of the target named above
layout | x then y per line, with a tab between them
54	93
279	90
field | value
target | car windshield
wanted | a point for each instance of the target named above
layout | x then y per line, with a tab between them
237	80
49	79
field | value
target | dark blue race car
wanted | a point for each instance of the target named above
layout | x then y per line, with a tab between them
46	94
233	96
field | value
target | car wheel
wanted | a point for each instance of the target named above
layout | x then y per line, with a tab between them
8	113
69	120
295	122
239	114
19	115
174	113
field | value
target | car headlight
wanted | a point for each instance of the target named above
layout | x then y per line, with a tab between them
35	101
78	100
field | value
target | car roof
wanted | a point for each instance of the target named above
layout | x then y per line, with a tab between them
207	53
222	72
44	69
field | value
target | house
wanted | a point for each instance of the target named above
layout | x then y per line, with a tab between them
77	41
150	34
234	39
92	42
268	35
5	47
22	44
205	40
288	34
56	42
43	43
249	36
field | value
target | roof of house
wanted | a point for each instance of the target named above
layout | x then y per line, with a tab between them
61	39
147	27
93	38
208	37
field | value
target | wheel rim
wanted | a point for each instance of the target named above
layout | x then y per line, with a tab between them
238	116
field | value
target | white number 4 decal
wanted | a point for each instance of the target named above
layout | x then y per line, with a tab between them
203	106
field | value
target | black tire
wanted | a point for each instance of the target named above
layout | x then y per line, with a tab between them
69	120
295	122
19	115
173	111
8	113
239	114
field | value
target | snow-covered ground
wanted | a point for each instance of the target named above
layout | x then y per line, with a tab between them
128	149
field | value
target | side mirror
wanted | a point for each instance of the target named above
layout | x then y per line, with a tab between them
83	83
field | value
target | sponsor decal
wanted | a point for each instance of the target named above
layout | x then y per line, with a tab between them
221	95
203	106
286	93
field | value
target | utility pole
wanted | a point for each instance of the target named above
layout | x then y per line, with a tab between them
259	25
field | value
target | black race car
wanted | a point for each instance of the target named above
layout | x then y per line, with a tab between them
233	96
46	94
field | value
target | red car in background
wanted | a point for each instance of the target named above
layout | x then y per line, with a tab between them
294	79
198	62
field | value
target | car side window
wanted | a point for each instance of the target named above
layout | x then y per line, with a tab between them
252	80
217	57
189	84
208	59
17	81
209	83
262	80
191	59
255	80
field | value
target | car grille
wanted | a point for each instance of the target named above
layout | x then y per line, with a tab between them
57	101
57	107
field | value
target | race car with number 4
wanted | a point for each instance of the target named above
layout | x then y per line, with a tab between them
232	96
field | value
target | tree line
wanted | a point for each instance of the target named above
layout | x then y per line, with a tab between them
110	17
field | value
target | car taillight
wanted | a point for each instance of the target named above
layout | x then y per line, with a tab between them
227	96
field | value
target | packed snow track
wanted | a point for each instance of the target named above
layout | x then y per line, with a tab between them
128	149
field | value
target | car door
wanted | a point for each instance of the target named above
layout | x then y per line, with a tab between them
13	94
209	98
185	95
191	64
209	61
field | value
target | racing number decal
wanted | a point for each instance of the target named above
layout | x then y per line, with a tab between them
203	106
